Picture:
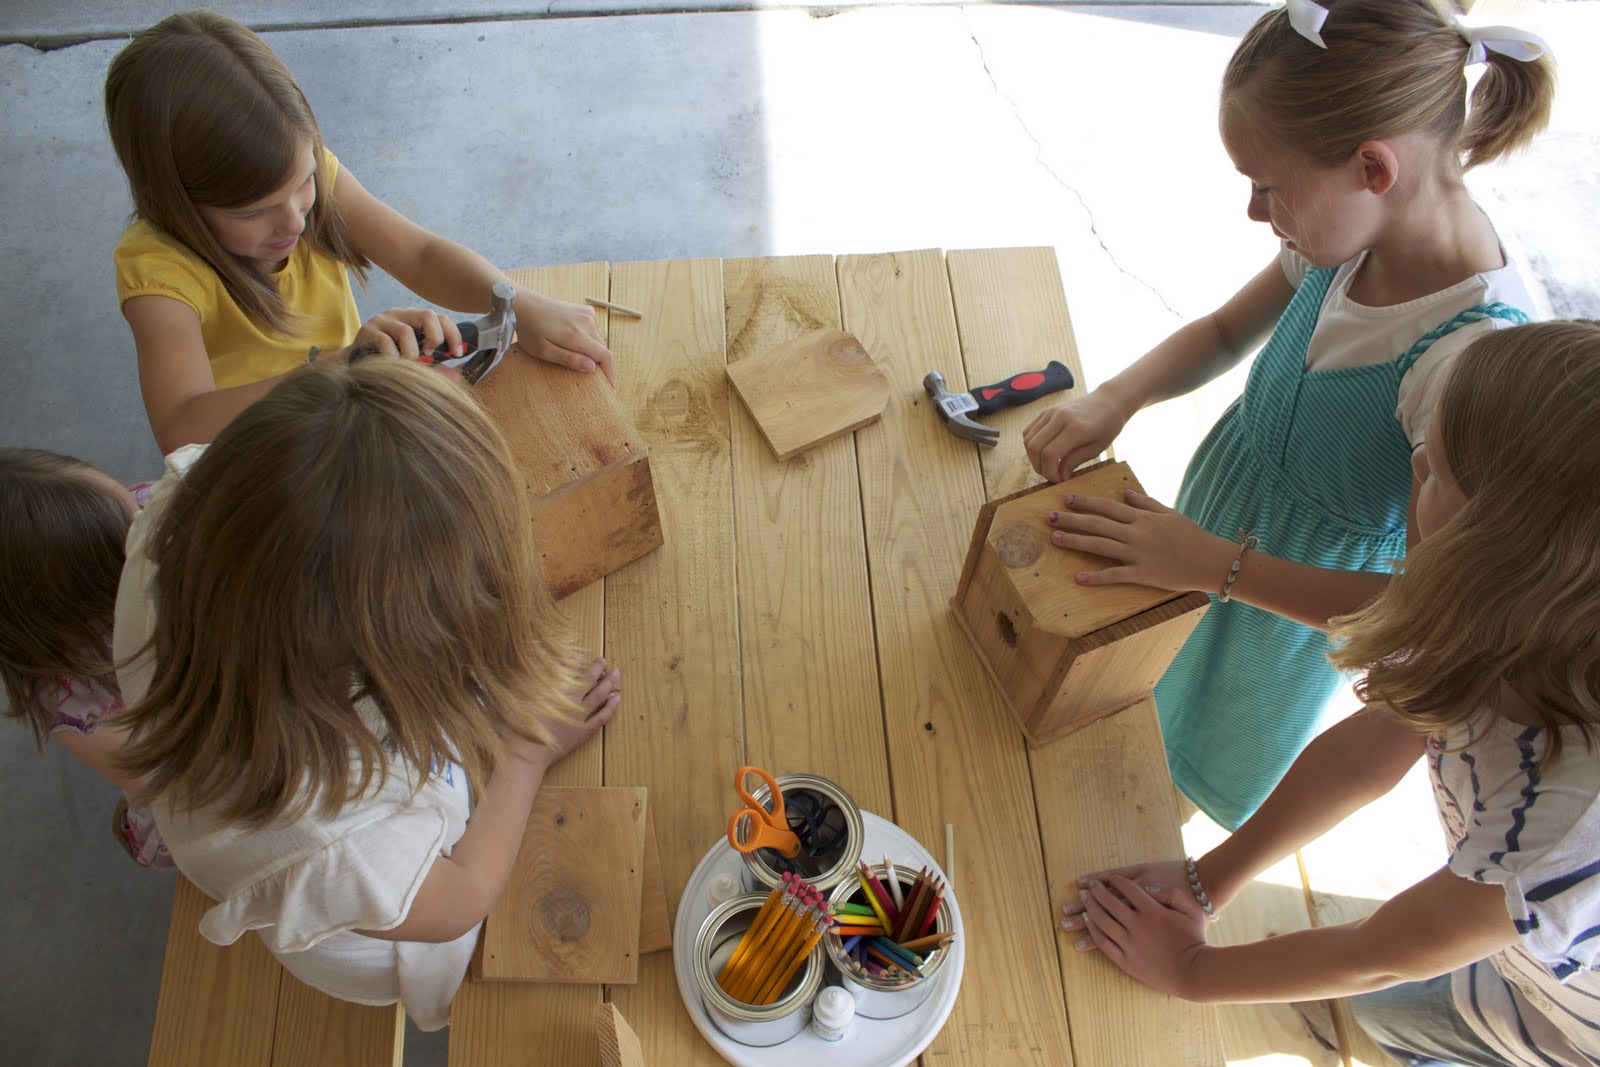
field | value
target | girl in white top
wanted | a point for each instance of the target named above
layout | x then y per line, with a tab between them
343	644
1483	656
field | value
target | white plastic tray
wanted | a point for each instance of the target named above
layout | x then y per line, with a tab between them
870	1042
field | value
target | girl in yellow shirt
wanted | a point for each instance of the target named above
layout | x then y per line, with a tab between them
247	228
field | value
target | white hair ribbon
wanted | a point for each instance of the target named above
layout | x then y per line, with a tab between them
1307	19
1507	40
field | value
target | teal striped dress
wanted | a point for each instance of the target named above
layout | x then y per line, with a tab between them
1315	462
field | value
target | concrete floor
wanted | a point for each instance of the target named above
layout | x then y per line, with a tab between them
646	136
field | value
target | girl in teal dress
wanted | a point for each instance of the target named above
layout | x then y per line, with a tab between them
1351	123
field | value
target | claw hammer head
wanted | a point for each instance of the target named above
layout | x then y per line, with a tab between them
953	408
488	338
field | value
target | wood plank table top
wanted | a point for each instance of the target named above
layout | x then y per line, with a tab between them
797	618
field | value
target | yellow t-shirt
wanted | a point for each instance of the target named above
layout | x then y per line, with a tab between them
316	286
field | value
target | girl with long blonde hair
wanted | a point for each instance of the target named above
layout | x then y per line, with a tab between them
1350	120
333	635
1483	657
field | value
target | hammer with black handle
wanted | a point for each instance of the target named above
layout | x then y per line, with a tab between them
1017	389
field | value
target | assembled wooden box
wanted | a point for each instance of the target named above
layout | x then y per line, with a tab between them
1063	654
587	470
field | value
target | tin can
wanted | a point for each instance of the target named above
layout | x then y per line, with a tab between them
831	817
880	996
750	1024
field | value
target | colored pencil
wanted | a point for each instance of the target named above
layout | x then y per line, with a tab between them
852	943
933	911
886	959
850	907
901	931
872	898
895	952
892	879
890	911
858	931
927	944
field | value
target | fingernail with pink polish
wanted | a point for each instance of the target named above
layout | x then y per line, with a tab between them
1055	516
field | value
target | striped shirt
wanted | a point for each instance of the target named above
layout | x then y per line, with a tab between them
1536	833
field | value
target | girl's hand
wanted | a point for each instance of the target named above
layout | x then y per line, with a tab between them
1156	877
602	694
1156	939
1155	545
394	333
1072	434
562	333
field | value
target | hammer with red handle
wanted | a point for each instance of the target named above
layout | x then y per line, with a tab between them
1017	389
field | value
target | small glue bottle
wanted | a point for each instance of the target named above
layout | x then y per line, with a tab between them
831	1012
723	887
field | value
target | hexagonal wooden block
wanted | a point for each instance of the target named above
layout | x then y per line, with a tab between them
1063	654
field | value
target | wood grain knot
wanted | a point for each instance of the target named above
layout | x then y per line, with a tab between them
565	914
672	400
1019	545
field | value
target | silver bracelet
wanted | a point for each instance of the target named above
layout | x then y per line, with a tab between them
1199	890
1247	541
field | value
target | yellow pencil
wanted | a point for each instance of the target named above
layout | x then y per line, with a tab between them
764	917
759	968
780	981
872	898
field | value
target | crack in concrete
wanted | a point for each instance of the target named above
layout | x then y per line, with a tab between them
1038	156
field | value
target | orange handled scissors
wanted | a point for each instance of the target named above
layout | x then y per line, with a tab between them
756	826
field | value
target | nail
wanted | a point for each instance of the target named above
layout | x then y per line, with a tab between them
1055	516
1083	577
1083	894
1072	501
1058	538
586	365
1081	944
1083	881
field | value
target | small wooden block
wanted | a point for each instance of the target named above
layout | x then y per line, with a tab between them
586	468
812	389
655	924
619	1045
1045	576
570	912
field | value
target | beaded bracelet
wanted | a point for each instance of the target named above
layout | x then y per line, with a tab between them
1247	541
1199	890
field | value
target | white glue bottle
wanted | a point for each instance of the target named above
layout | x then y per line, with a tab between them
723	887
831	1012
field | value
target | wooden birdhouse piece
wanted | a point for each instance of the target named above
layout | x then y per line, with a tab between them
1064	655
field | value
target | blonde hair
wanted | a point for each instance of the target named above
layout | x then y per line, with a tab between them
62	527
202	112
1391	67
359	533
1508	590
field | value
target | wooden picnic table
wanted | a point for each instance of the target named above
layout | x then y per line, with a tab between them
797	618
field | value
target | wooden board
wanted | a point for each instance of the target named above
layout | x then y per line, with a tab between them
1286	1035
619	1045
809	389
805	617
655	920
670	617
1111	803
1012	316
1103	794
1045	576
954	754
586	468
570	912
233	988
492	1024
315	1030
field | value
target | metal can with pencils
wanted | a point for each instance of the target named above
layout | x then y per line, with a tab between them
828	824
750	1024
886	994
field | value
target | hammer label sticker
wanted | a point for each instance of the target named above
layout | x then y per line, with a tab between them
957	403
1019	545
